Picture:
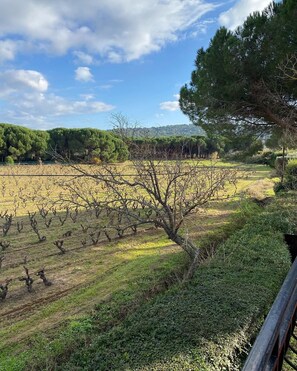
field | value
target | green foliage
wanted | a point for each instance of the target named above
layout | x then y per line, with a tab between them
245	211
289	181
194	146
9	160
87	145
279	187
237	83
202	325
247	152
290	177
23	144
265	158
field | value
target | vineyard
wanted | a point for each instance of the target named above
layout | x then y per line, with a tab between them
61	253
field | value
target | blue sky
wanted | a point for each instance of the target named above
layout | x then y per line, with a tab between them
75	63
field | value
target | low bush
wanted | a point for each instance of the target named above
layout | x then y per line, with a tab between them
206	323
9	160
290	177
264	158
280	164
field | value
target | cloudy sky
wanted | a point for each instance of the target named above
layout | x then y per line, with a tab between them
71	63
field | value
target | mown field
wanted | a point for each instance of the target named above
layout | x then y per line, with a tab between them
94	269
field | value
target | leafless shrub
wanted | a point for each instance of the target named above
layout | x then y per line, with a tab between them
95	237
107	235
120	231
31	215
134	228
6	226
41	275
67	234
84	228
59	244
28	280
4	289
20	226
74	215
48	222
34	226
42	211
3	214
64	218
4	245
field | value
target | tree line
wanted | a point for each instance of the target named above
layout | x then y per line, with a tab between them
18	143
195	146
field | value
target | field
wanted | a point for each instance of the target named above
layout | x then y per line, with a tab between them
86	269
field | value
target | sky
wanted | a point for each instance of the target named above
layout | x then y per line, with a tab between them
71	63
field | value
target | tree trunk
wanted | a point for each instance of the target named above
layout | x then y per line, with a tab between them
186	245
283	165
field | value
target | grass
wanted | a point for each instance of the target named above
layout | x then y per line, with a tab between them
207	323
115	278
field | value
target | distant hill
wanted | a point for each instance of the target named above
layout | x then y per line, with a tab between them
171	130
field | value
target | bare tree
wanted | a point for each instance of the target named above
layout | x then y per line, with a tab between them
123	127
128	131
161	193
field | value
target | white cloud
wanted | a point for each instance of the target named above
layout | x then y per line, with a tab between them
87	96
83	74
26	95
236	15
53	105
12	81
171	105
84	57
117	30
8	50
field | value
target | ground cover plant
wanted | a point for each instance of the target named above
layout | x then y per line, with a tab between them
56	266
207	323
